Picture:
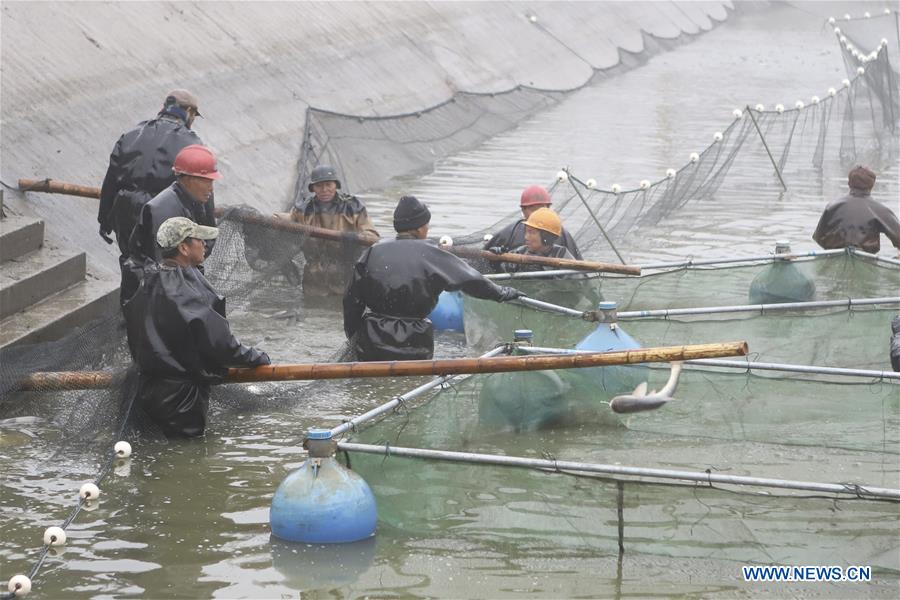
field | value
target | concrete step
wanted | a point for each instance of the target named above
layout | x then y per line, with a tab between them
62	312
20	235
34	276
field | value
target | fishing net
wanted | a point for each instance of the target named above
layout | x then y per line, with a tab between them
720	419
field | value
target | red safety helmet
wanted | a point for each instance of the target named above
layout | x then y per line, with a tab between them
535	195
196	160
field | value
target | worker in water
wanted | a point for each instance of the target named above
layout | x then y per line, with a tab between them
512	236
178	334
140	166
542	232
329	264
396	284
189	196
857	219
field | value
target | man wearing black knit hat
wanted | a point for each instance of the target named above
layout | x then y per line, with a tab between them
396	284
856	219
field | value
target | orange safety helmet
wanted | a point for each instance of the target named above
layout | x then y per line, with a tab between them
545	220
196	160
535	195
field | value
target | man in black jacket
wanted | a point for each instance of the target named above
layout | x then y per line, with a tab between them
178	334
140	165
857	219
190	196
396	284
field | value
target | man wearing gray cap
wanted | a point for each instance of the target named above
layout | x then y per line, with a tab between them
140	166
178	334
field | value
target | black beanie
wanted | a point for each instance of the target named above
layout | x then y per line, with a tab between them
410	214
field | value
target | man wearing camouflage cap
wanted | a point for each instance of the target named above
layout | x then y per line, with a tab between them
178	334
140	166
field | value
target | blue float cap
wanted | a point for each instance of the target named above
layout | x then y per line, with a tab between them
606	306
318	434
520	335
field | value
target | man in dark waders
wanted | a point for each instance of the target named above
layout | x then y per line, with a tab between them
533	198
190	196
396	284
857	219
178	334
140	166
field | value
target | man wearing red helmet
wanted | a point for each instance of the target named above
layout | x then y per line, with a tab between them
190	196
512	236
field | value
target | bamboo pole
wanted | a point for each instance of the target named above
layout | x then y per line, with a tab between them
561	263
74	380
58	187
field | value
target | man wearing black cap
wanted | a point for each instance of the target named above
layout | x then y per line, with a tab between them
396	284
140	166
856	219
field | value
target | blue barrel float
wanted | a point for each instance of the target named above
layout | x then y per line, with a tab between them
448	314
609	337
323	502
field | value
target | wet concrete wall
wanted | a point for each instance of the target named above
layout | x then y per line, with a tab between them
75	75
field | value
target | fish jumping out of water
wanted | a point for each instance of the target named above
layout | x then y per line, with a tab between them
640	400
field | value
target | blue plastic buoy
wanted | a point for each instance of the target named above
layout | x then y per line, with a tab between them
322	502
448	314
609	337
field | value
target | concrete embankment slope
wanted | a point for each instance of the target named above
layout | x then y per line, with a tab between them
77	74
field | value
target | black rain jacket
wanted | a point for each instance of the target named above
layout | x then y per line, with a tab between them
556	251
395	286
181	342
174	201
140	167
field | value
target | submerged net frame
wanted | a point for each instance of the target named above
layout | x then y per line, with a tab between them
253	265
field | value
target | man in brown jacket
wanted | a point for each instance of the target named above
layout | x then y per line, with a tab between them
329	264
856	219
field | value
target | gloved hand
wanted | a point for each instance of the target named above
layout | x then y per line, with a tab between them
496	250
509	293
264	359
104	233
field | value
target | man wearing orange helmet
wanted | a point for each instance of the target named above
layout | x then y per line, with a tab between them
190	196
512	236
542	231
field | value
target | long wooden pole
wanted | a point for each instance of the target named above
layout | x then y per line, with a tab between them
246	216
58	187
559	263
75	380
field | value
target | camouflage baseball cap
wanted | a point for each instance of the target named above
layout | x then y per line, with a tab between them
177	229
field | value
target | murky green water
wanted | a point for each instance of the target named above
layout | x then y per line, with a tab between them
190	520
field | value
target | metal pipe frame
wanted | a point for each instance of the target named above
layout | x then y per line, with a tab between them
747	365
857	490
414	393
760	308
